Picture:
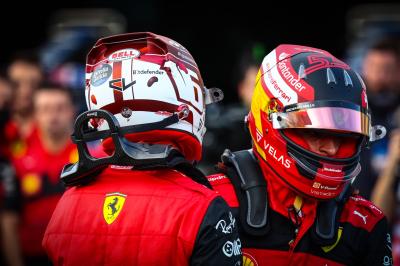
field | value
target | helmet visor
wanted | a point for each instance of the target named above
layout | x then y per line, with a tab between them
329	115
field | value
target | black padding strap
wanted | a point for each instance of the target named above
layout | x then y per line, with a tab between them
327	220
251	190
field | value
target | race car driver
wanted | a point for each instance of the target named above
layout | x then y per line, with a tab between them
291	192
145	203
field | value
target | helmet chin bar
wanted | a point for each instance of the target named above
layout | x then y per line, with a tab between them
137	155
309	162
304	165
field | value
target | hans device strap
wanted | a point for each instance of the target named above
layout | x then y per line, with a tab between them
138	155
251	190
327	221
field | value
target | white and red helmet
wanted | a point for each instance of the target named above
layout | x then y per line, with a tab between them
142	78
300	87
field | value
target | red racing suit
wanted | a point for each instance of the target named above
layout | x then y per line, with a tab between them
134	217
361	236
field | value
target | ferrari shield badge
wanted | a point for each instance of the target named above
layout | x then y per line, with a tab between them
112	207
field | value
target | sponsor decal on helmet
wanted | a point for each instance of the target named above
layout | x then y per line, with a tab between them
147	71
101	75
320	186
112	206
277	88
319	193
123	54
289	77
327	169
272	151
282	56
120	85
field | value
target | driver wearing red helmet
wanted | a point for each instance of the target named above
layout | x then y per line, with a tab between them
145	203
291	193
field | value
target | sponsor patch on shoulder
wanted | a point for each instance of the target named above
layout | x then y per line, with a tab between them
217	178
361	213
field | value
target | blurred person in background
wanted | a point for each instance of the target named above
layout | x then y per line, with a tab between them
225	124
6	93
26	74
384	193
32	195
6	170
381	72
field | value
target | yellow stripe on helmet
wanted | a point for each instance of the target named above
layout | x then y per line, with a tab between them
259	103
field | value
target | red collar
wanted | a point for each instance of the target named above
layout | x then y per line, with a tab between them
282	199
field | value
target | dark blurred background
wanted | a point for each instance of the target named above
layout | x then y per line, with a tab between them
48	41
214	32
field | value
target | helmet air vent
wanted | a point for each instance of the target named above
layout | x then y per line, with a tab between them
347	79
302	72
330	77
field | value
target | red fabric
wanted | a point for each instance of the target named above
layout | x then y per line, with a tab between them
274	257
13	139
38	172
361	213
280	198
157	224
225	188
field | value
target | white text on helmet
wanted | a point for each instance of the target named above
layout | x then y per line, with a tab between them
289	77
272	151
320	186
123	54
281	93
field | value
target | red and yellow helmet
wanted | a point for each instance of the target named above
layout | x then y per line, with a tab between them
300	87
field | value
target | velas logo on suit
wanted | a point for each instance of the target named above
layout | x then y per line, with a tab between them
113	204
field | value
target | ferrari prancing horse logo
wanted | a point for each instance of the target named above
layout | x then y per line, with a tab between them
112	206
